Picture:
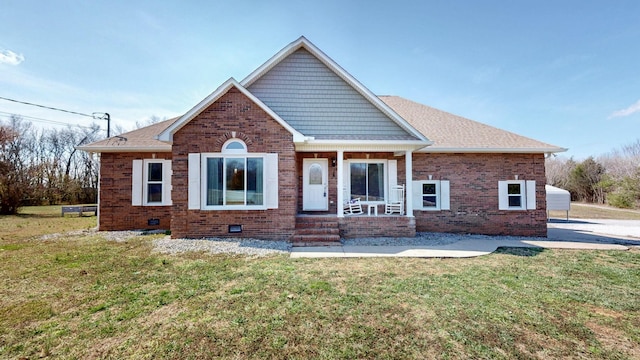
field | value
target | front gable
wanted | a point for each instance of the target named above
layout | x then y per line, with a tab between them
232	115
167	134
318	103
322	101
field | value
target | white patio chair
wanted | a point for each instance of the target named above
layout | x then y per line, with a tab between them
395	203
353	207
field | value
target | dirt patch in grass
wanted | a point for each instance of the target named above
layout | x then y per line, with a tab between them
615	340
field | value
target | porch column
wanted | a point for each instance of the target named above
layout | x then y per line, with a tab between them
408	188
340	183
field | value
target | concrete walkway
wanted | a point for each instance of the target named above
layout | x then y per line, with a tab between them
583	234
460	249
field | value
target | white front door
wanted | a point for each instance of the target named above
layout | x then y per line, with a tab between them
314	185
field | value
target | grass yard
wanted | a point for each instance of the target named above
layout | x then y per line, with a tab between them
81	296
589	211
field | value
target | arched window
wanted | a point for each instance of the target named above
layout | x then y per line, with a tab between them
234	146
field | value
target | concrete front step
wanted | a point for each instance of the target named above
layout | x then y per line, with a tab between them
315	244
315	240
309	243
316	237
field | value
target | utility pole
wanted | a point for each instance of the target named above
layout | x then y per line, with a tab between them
108	124
104	116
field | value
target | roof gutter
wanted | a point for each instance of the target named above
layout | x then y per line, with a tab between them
436	150
111	149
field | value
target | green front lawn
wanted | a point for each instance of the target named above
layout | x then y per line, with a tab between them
81	296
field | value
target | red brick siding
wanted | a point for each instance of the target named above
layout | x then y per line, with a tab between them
207	132
474	193
116	211
377	226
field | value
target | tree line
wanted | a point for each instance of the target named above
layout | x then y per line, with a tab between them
43	167
612	178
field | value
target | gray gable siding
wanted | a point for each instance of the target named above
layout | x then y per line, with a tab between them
317	102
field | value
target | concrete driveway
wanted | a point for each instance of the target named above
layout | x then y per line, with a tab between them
626	232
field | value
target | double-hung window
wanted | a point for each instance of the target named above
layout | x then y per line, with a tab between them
517	195
431	195
151	182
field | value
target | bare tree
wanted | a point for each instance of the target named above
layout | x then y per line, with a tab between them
150	121
14	176
558	170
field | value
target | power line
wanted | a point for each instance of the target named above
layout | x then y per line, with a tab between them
103	116
46	107
48	121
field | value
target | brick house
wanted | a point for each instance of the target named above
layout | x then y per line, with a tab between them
278	154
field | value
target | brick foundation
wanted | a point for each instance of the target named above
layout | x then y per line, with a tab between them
377	226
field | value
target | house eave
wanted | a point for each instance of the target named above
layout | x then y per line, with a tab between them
120	149
361	145
435	150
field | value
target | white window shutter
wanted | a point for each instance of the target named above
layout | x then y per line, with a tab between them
194	181
136	183
166	182
271	173
503	195
445	203
531	194
417	195
393	173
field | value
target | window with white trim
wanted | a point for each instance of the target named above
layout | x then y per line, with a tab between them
367	180
233	179
517	195
151	182
234	146
431	195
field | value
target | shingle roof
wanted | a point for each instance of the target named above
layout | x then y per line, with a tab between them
452	133
143	139
449	133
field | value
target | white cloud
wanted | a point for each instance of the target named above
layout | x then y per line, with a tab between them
11	58
627	111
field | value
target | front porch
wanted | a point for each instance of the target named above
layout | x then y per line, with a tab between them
328	229
329	180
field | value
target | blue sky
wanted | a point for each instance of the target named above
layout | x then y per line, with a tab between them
563	72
